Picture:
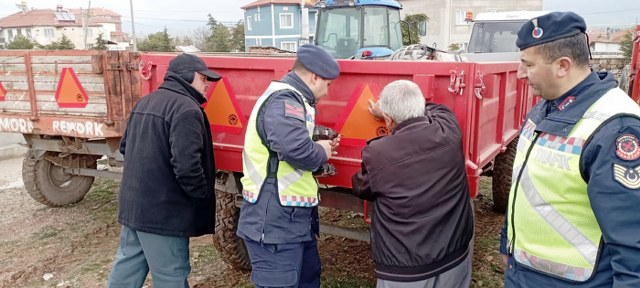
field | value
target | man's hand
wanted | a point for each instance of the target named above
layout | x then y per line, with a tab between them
327	146
374	109
334	144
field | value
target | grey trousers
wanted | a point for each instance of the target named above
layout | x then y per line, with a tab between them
457	277
166	257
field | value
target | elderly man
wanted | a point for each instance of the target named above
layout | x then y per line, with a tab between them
168	185
279	218
573	207
422	220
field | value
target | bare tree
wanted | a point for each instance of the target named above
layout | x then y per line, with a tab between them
199	36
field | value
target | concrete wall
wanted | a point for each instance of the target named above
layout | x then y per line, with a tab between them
612	64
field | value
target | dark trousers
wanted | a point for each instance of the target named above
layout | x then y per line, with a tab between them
285	265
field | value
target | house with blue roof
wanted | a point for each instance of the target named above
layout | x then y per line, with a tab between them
278	23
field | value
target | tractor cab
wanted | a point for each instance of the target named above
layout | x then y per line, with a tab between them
370	28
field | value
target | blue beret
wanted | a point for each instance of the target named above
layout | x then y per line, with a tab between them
318	61
549	27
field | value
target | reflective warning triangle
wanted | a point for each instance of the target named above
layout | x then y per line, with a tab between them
223	110
356	125
3	92
70	93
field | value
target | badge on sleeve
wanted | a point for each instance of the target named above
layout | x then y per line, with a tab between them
293	109
627	147
628	177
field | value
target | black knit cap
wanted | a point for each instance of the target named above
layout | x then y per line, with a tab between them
191	63
550	27
318	61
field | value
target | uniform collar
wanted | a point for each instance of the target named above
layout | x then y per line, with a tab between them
560	115
292	79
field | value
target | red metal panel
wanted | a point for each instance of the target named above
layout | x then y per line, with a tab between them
634	75
488	124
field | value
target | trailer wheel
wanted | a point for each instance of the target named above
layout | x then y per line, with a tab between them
49	185
228	244
502	170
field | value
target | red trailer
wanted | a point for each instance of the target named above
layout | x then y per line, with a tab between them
72	108
634	75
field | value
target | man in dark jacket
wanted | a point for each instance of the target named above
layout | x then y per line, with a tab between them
422	219
167	190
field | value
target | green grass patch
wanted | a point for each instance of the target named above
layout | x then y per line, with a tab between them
47	232
339	282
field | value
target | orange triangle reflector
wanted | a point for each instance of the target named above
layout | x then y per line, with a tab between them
223	110
70	93
356	125
3	92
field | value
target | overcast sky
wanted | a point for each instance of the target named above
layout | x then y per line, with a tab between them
182	16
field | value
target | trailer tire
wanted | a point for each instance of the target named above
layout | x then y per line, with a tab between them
49	185
502	170
229	245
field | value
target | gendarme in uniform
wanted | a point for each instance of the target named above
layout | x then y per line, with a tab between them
280	193
573	217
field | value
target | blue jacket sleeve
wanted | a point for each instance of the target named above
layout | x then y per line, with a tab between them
611	165
288	136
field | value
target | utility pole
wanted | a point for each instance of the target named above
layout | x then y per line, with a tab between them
304	23
133	28
85	23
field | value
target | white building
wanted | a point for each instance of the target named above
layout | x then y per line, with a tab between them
447	23
46	26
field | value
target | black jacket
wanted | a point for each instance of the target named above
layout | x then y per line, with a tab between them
169	172
422	221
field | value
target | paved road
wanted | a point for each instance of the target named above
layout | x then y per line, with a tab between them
11	174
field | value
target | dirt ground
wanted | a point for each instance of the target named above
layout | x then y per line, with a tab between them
74	246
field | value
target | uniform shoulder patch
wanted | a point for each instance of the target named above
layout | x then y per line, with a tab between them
294	109
627	147
627	177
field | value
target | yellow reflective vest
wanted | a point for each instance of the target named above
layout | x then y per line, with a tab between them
552	228
296	188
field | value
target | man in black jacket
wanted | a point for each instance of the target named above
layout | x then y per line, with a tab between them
167	190
422	219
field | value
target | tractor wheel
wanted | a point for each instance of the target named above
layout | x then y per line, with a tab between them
502	170
50	185
228	244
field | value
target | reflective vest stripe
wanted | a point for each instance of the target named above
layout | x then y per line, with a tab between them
563	227
283	182
551	267
289	179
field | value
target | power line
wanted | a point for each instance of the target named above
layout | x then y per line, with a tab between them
610	12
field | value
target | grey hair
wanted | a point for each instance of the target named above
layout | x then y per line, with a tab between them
402	100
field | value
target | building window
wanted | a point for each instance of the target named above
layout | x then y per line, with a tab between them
460	17
19	31
89	33
48	32
249	23
10	35
89	46
288	45
286	20
28	31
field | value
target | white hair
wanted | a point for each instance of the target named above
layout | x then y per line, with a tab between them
402	100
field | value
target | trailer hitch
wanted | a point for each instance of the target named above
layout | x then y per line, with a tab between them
145	71
456	82
479	88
